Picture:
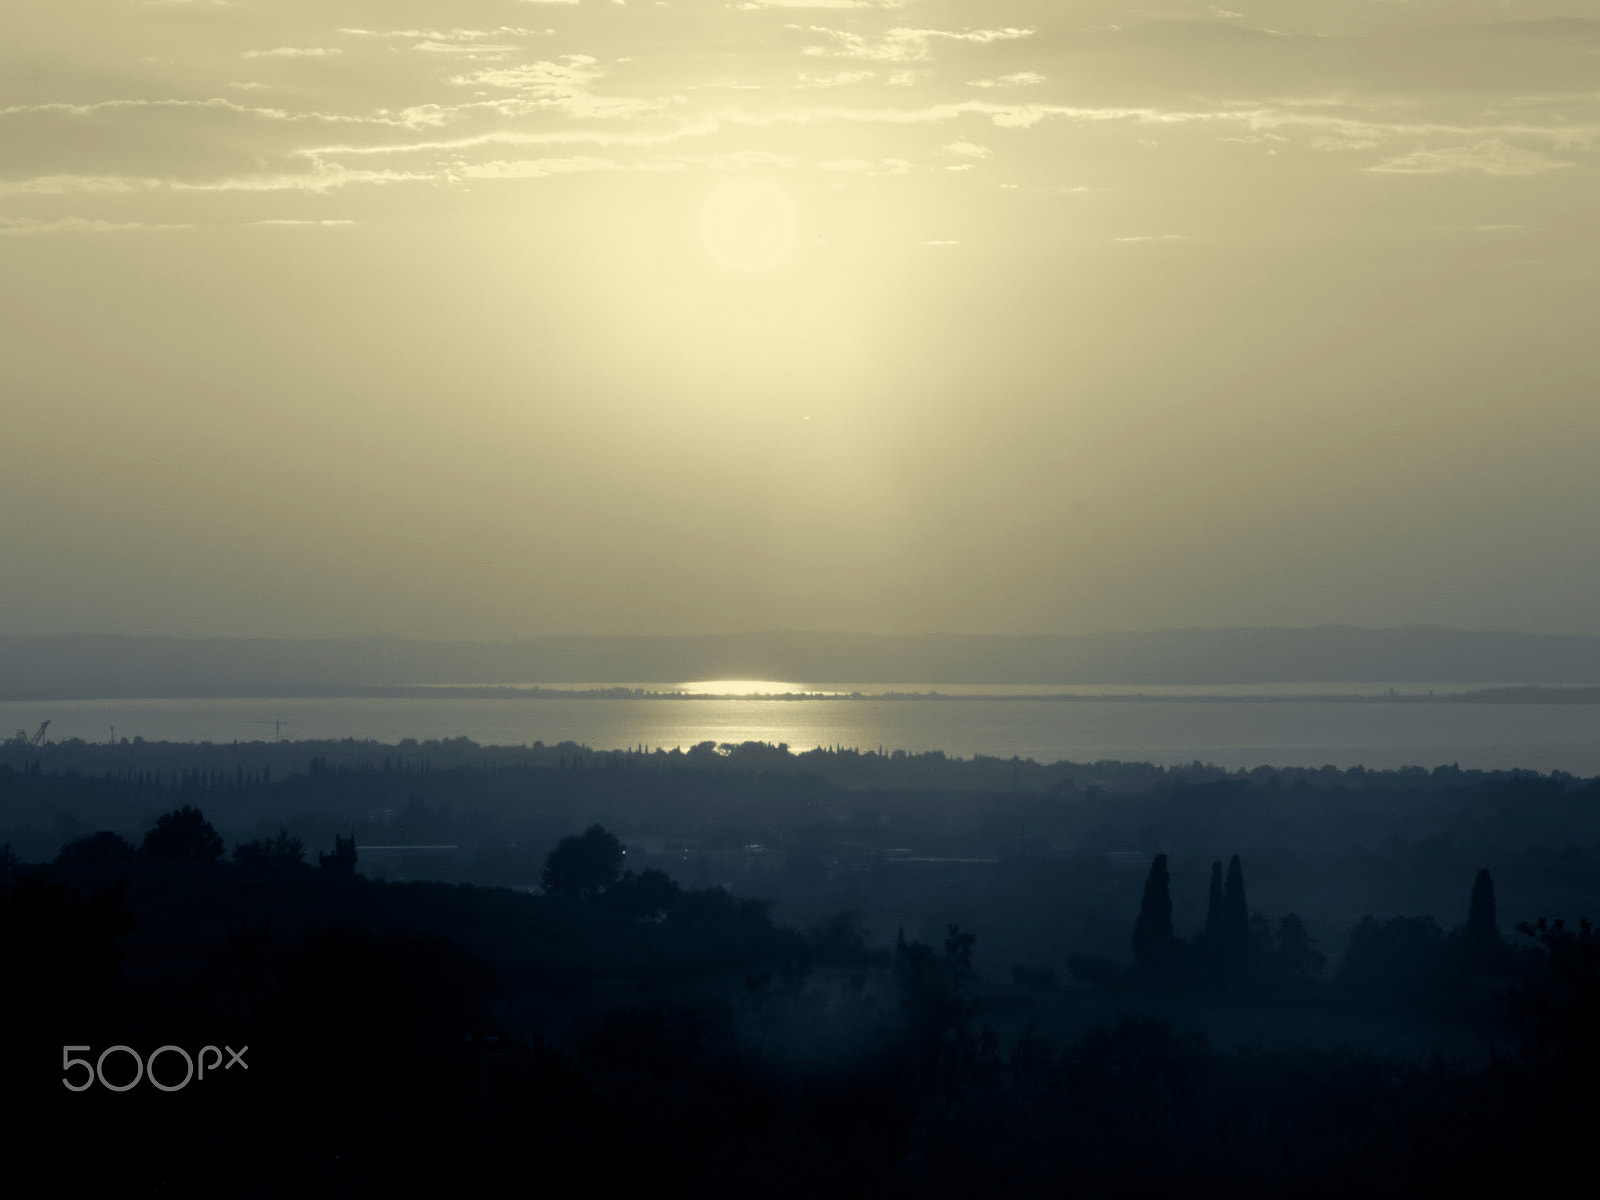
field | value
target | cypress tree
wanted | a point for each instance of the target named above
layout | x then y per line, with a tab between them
1482	933
1211	954
1234	941
1480	912
1214	904
1154	947
1235	912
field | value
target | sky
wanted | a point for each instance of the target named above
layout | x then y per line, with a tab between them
497	318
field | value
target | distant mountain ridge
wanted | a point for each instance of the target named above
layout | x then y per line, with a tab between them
85	666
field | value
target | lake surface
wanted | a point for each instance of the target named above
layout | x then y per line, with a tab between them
1242	731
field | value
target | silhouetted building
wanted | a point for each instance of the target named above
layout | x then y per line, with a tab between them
343	857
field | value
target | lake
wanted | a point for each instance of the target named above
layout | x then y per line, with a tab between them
1247	729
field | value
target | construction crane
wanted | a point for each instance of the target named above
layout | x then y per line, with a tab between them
38	738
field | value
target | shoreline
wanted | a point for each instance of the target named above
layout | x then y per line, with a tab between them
1510	695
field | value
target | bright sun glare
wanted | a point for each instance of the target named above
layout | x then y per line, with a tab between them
749	224
742	687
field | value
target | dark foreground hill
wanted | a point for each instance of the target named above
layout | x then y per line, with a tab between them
621	1035
1036	994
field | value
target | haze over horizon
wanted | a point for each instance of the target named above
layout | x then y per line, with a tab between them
502	319
75	667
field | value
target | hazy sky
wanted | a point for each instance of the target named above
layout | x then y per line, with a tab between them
498	318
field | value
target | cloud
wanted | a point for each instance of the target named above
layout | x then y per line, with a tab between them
749	5
475	44
297	221
899	45
323	174
83	110
1015	79
449	35
479	50
61	185
27	225
562	85
1336	142
67	109
867	166
295	52
828	79
534	168
515	137
325	178
566	85
1261	120
572	74
1491	156
1154	237
529	112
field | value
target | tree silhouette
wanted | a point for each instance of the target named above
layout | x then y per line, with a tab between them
1399	964
1292	962
1214	903
1484	951
183	835
1554	1003
1233	941
285	850
582	866
1235	912
1208	945
1155	949
343	858
935	1005
651	895
63	964
101	849
841	940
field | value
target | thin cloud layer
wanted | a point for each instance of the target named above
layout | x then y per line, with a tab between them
1490	108
1491	156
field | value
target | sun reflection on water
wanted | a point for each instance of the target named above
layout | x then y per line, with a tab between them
747	687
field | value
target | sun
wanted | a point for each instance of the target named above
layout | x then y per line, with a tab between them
749	224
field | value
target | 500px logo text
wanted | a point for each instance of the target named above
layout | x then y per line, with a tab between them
145	1068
